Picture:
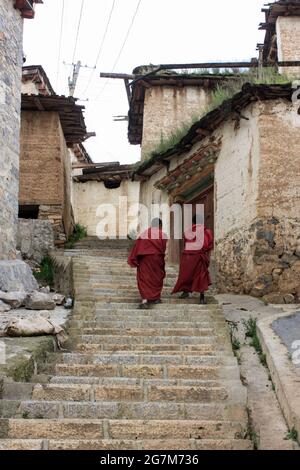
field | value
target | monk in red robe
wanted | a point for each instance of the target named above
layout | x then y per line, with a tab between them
194	264
148	256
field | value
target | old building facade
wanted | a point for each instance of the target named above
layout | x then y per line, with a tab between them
52	129
106	192
240	160
247	176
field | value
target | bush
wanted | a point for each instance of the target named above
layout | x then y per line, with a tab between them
45	272
79	233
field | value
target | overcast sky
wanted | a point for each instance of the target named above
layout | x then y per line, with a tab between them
164	31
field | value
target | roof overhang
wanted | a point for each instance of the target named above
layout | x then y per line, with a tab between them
26	7
70	114
272	12
37	74
105	172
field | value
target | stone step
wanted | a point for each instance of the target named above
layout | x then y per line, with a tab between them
126	444
201	349
160	318
128	358
46	410
180	307
132	299
143	323
169	331
127	339
152	348
135	393
119	429
201	372
121	381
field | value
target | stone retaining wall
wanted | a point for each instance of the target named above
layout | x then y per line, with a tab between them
261	260
35	238
11	59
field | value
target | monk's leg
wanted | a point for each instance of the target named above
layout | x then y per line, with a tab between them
151	273
184	295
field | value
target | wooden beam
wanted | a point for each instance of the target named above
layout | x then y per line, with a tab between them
94	165
209	65
204	132
122	76
128	91
38	104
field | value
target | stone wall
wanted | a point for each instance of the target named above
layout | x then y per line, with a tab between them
11	58
41	162
166	109
257	246
35	239
288	40
88	197
45	170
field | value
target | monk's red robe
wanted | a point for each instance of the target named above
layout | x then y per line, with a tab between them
194	264
148	256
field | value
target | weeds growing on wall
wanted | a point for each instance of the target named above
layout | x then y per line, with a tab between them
251	332
79	233
264	76
292	435
45	273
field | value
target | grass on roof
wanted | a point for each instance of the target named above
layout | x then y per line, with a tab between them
265	76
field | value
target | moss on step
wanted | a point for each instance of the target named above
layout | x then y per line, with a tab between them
24	355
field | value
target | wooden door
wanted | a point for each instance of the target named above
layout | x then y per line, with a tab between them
207	199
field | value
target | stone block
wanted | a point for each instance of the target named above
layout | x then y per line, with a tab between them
35	238
16	275
39	301
274	298
14	299
4	307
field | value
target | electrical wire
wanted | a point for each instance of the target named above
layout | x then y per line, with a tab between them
101	45
60	42
78	29
127	35
122	47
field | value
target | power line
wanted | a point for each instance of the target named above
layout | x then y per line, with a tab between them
60	42
101	45
127	35
78	29
122	47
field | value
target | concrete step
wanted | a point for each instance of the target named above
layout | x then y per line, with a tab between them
125	444
119	429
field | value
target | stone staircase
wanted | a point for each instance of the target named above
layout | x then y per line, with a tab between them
160	379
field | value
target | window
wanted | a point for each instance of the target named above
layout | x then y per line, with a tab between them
112	184
29	212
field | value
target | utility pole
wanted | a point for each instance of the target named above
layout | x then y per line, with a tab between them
72	81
